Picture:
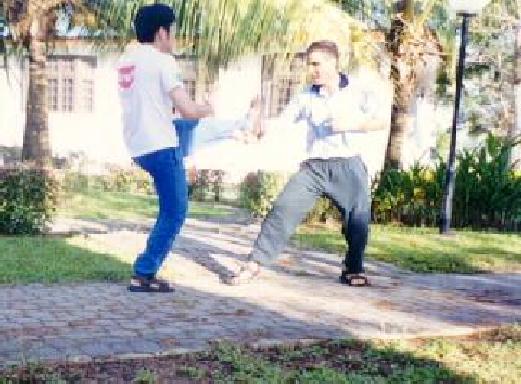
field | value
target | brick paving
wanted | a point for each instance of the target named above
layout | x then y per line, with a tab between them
298	298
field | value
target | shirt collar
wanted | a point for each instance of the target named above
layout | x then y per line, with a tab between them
343	83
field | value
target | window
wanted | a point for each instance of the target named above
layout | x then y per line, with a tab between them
187	67
190	88
281	82
53	95
68	95
88	95
71	84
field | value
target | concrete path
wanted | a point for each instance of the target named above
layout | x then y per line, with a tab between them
297	299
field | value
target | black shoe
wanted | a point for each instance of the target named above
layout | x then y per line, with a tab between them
354	279
141	284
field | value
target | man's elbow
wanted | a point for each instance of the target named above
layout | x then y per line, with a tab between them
192	111
189	113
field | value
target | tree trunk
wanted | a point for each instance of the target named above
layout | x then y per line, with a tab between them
516	128
402	75
36	146
401	116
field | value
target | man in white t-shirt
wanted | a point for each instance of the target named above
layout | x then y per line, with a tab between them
150	86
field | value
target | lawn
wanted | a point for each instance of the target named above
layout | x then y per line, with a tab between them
417	249
95	204
424	250
54	260
41	259
493	357
48	260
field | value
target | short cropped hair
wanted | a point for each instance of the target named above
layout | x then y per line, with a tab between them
150	18
327	46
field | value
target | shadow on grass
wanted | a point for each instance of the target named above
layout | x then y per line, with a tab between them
483	358
26	260
346	361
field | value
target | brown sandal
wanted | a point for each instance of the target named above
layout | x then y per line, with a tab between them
245	275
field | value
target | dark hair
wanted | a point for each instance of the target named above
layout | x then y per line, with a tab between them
150	18
324	46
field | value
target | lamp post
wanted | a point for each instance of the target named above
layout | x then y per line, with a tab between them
3	33
466	9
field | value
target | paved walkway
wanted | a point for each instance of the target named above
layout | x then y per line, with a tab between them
297	299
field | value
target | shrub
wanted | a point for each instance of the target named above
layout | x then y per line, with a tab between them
323	210
411	197
28	198
487	191
259	190
118	180
207	184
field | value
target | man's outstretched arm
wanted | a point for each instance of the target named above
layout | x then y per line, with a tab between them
188	108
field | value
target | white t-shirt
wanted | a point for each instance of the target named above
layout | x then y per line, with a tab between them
146	77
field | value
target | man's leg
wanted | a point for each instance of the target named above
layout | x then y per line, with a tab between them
356	233
290	208
295	201
350	192
166	168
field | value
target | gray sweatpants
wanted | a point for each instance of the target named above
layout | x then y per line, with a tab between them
344	180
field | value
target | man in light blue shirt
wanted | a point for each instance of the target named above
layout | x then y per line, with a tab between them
332	111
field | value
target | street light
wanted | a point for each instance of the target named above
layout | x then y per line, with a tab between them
466	9
3	34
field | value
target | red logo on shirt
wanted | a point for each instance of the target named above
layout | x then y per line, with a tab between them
126	76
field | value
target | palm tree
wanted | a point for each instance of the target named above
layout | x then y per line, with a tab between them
411	33
517	94
516	130
218	31
410	41
403	76
32	27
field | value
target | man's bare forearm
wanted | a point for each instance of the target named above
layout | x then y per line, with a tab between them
187	107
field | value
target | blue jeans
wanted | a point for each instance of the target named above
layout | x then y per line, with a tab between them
345	181
167	170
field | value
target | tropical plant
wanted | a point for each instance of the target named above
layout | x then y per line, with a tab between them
487	192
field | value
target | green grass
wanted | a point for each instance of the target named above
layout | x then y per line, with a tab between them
493	357
27	260
51	260
94	204
424	250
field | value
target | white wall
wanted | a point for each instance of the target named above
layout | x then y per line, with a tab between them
236	86
12	110
97	134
